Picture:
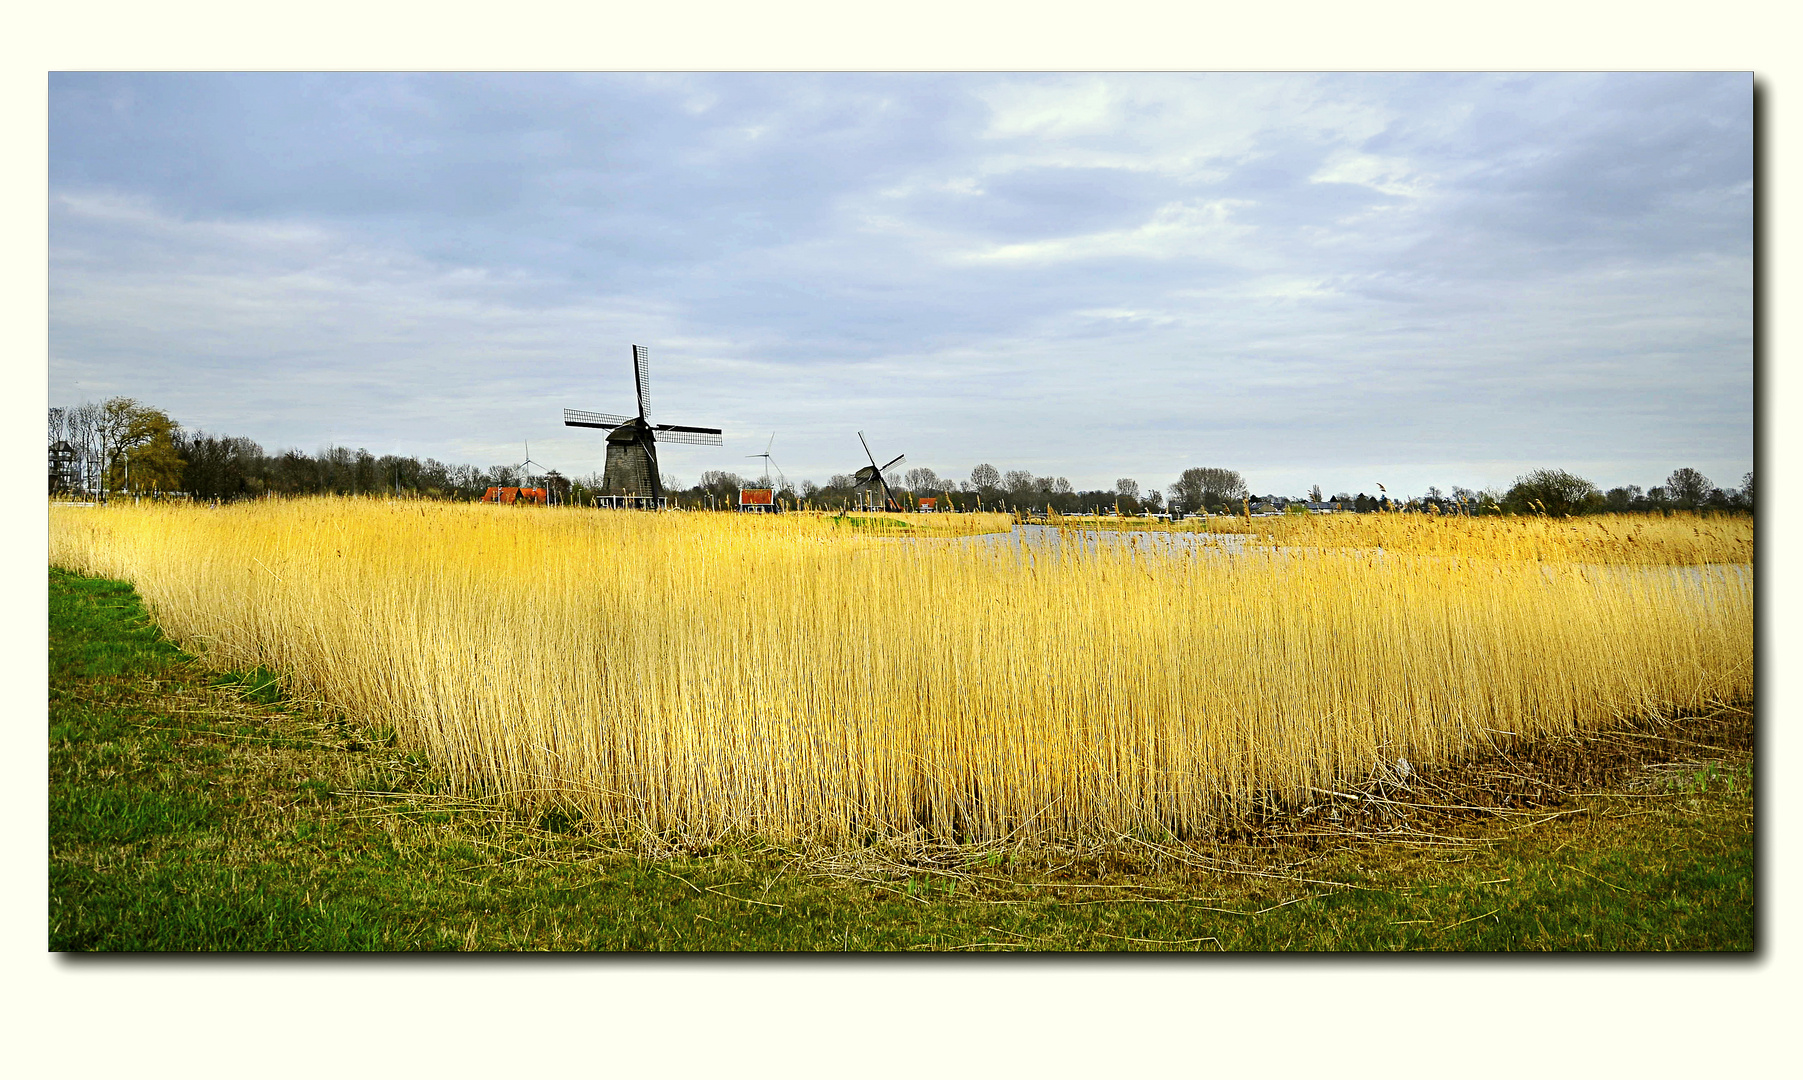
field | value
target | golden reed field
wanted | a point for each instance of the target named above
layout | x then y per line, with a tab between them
692	675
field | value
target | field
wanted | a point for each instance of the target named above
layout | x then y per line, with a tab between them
192	809
690	678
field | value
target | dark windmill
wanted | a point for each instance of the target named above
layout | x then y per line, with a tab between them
631	479
871	476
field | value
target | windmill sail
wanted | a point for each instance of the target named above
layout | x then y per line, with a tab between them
583	418
641	376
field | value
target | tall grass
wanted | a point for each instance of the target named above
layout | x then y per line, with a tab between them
697	674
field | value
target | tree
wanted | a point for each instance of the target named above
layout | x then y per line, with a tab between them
1746	491
137	446
1314	494
1201	489
985	478
924	481
1687	488
1622	499
1555	491
1127	488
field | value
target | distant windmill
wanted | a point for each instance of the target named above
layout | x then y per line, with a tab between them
631	477
769	462
871	475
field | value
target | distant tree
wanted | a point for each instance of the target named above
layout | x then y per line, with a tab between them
1199	489
1620	500
1746	491
1687	488
1019	483
136	437
985	478
923	481
1554	490
1061	486
1314	494
153	462
1127	488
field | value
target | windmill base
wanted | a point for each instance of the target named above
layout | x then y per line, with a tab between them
631	502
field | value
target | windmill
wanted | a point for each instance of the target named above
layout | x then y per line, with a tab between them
872	476
631	478
769	462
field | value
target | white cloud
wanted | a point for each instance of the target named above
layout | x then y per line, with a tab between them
1174	231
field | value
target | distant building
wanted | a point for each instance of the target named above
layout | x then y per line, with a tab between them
516	496
64	477
758	501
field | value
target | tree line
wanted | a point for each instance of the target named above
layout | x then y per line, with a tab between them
122	446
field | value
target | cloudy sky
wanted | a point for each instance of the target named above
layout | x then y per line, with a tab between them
1344	280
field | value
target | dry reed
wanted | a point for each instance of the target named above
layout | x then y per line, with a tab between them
699	674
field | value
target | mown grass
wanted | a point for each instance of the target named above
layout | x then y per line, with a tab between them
191	811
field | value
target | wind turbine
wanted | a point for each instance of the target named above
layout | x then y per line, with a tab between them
769	461
526	473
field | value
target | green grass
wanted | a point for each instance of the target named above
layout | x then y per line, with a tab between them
194	810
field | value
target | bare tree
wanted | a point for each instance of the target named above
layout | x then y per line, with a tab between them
1687	487
1199	489
1314	494
984	477
1126	488
924	481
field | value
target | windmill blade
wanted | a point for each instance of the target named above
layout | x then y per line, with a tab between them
867	452
641	376
898	460
695	436
584	418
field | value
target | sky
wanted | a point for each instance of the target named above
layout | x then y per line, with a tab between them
1343	280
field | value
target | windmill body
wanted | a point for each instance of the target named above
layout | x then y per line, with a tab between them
630	477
